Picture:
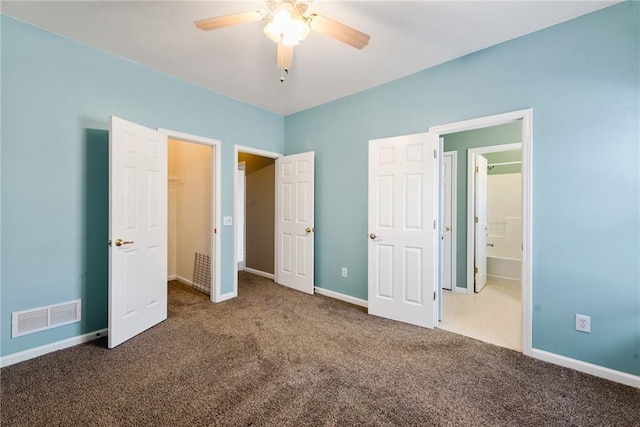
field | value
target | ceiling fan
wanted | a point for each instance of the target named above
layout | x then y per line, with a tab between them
287	25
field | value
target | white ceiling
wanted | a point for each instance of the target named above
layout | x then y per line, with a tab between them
406	36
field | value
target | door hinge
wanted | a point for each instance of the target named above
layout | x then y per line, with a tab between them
215	231
434	224
476	169
475	270
434	295
475	219
435	154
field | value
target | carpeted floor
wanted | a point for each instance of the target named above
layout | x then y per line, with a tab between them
278	357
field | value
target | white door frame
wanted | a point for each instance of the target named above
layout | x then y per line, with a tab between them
216	236
527	179
242	167
471	198
258	152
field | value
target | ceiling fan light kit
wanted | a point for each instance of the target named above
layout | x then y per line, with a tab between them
287	26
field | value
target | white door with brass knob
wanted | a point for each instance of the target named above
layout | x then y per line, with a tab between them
138	229
402	239
294	221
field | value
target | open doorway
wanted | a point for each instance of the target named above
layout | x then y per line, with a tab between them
193	217
190	217
280	238
255	214
485	297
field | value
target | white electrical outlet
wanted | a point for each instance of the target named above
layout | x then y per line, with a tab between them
345	272
583	323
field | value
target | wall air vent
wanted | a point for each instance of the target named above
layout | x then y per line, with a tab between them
42	318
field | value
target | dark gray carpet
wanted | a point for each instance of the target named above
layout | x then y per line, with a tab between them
278	357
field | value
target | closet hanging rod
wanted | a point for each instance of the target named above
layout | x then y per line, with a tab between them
517	162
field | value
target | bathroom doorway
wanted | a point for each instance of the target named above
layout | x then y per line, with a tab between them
485	300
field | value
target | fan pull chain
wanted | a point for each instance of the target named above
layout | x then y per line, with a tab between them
282	73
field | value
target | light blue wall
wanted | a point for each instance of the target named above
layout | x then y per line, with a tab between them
582	80
57	96
461	142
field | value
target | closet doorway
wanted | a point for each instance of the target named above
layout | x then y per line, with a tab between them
191	227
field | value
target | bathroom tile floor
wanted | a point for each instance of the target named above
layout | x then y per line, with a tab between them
492	315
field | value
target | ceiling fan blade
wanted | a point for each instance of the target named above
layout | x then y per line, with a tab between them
229	20
339	31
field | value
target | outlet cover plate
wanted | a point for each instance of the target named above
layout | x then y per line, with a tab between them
583	323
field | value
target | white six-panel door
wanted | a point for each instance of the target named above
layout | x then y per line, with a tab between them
137	229
402	219
481	224
295	221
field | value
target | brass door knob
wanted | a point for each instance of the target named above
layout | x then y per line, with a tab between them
372	236
310	229
121	242
447	229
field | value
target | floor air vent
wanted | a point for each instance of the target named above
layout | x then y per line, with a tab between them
41	318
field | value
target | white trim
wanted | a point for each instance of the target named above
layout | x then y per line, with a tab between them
172	277
460	290
216	202
255	151
242	166
31	353
342	297
227	296
527	188
472	154
258	272
502	279
587	368
183	280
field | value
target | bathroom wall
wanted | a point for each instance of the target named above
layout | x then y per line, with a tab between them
504	211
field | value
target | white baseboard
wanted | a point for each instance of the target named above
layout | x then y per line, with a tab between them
259	273
226	296
21	356
172	277
460	290
587	368
503	279
183	280
341	297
